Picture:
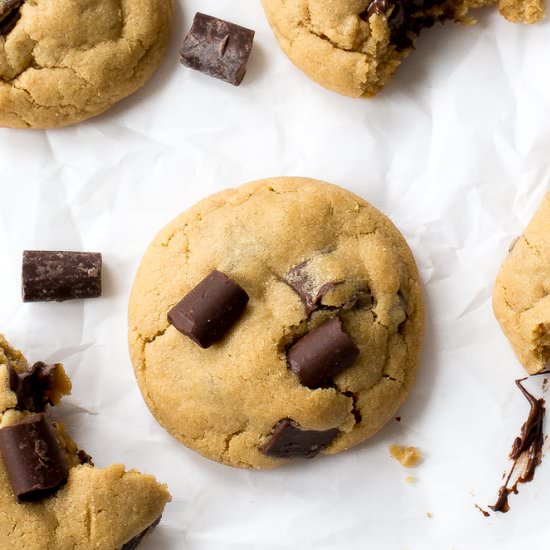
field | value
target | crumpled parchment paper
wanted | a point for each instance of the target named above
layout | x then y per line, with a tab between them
456	150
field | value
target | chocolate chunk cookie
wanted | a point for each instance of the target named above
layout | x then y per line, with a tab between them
323	347
521	298
51	495
64	61
353	47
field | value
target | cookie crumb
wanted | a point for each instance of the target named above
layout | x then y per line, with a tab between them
409	457
411	480
429	515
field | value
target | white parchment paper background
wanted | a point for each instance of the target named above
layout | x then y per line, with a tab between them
456	151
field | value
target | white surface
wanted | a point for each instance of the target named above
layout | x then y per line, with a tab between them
456	151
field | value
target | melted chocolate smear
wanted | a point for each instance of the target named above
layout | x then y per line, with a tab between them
405	18
529	442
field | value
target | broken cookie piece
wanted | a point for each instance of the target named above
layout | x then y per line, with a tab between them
521	297
40	463
354	47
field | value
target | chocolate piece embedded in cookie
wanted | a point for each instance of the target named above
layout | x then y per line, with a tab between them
207	312
217	48
406	19
134	543
33	458
59	276
320	355
311	294
9	15
38	386
289	441
353	47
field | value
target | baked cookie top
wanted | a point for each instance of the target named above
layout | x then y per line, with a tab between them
521	298
353	47
100	508
305	252
63	61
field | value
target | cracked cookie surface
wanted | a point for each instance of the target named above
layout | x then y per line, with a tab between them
63	61
225	400
521	298
100	508
353	47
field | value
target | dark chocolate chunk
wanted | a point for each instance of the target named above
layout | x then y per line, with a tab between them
405	18
210	309
59	276
134	543
320	355
529	442
9	15
84	457
289	441
299	280
33	386
33	458
217	48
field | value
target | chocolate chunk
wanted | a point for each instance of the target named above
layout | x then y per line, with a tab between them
9	15
320	355
84	457
33	386
209	310
300	281
289	441
59	276
217	48
134	543
33	458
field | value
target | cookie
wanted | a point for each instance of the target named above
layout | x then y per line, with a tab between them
521	297
322	350
353	47
51	496
63	61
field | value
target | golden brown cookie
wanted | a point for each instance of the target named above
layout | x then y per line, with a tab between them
63	61
353	47
101	508
521	298
313	258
